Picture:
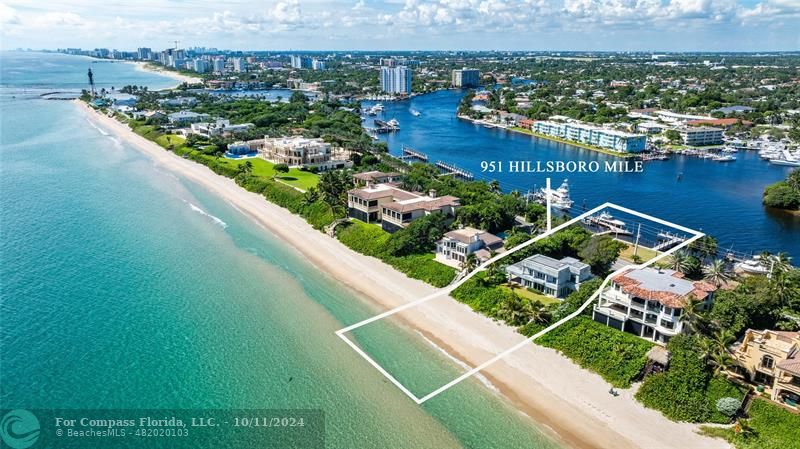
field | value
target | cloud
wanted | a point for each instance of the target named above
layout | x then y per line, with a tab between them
8	15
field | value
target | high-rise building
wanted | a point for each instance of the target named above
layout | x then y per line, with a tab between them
143	53
200	65
301	62
316	64
239	65
466	77
396	80
219	65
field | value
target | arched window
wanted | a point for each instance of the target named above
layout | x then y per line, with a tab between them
767	362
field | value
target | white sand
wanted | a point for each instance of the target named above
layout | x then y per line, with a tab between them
168	73
572	402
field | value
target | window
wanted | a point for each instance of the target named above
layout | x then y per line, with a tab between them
767	362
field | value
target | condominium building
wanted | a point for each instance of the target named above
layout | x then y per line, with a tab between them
144	53
200	65
610	139
771	359
316	64
554	278
455	246
700	135
239	65
649	302
396	208
466	77
396	80
300	62
219	65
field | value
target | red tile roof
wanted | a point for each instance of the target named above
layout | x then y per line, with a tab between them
669	299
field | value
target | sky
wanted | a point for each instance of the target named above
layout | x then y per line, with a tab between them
621	25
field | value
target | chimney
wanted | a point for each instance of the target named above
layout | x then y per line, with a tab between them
432	193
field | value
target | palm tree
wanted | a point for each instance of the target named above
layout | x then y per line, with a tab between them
719	355
494	186
717	273
680	262
311	196
535	312
470	263
692	318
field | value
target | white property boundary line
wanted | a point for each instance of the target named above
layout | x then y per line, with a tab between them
341	332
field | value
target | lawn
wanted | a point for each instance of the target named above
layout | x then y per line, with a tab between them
773	428
295	177
529	294
645	253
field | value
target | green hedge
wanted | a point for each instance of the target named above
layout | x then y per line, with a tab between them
373	241
480	297
616	356
773	428
318	214
686	391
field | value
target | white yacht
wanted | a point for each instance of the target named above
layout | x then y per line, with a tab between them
415	113
559	198
393	123
724	158
752	266
608	221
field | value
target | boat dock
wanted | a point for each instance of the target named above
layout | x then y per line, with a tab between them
450	169
668	240
412	154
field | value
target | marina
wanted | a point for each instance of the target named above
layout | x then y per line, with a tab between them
729	193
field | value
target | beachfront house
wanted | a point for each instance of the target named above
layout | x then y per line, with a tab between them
771	360
375	177
552	277
298	151
455	246
218	127
394	207
186	117
649	302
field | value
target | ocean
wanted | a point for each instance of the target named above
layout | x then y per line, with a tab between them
124	286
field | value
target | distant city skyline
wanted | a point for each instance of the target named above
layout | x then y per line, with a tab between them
394	25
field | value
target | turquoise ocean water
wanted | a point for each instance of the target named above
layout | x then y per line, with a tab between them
125	286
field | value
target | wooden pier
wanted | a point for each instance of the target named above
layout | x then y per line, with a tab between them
455	171
410	153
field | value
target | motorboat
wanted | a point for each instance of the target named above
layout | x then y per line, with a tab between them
752	266
559	198
724	158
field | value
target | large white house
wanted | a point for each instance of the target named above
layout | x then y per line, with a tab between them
455	246
554	278
218	127
649	302
297	151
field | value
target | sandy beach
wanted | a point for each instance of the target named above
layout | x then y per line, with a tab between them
573	403
143	66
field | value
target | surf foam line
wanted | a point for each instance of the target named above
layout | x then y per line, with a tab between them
213	218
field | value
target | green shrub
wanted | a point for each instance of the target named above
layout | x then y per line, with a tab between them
772	428
687	391
481	297
616	356
373	241
728	406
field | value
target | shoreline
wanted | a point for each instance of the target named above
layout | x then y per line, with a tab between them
144	67
554	392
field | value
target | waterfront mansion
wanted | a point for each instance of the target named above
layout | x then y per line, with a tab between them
394	208
295	151
771	360
649	302
455	246
554	278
